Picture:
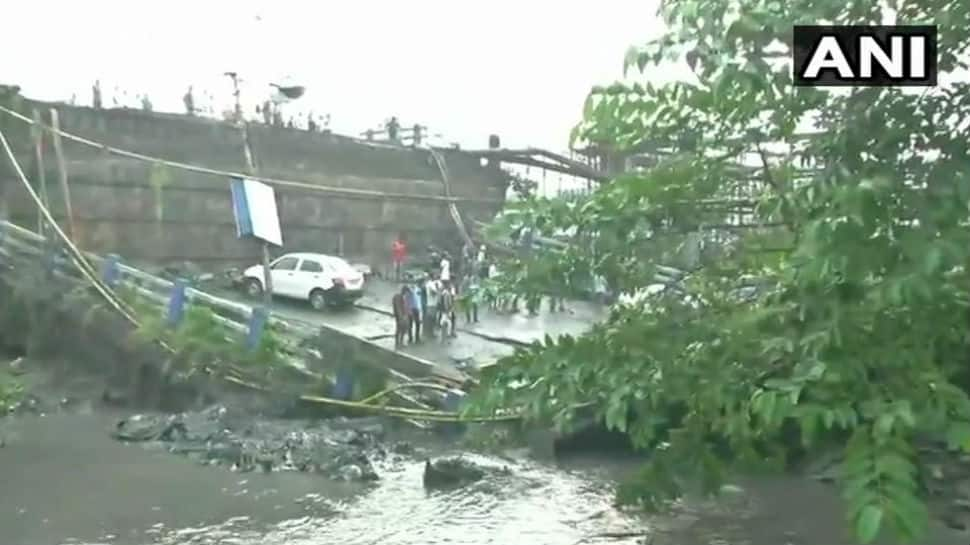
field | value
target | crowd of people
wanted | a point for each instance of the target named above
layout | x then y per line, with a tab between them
431	301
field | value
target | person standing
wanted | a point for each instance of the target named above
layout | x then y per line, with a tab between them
408	313
491	274
445	274
446	304
481	265
557	303
96	95
453	293
401	316
416	311
188	99
432	291
533	302
267	113
469	295
399	253
423	290
600	290
393	126
434	259
467	260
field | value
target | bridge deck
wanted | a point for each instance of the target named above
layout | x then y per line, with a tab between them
495	335
476	345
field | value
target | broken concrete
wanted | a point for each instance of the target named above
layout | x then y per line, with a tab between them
456	471
340	448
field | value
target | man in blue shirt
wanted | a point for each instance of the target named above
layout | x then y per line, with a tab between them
417	310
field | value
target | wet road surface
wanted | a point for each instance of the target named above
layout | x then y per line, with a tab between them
370	319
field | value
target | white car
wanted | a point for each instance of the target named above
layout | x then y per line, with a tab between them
323	280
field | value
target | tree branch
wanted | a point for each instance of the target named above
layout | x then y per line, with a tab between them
771	182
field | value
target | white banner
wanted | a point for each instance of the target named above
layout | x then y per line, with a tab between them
254	206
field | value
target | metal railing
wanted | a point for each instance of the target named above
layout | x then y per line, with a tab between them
18	244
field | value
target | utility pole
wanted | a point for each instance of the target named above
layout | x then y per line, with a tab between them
251	169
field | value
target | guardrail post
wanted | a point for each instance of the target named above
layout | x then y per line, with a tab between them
51	251
257	323
176	302
110	273
3	236
453	403
343	387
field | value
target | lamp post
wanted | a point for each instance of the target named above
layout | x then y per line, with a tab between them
251	169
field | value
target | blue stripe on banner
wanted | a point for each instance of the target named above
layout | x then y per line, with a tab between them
240	207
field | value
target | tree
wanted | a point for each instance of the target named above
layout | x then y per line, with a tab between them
826	240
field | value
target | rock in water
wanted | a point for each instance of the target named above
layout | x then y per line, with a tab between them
351	472
449	472
113	398
17	366
137	428
140	428
352	466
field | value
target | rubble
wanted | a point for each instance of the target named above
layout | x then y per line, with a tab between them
339	449
455	471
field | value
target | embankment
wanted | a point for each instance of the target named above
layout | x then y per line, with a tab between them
152	213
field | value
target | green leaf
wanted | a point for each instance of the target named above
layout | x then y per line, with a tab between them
868	523
588	107
904	411
828	418
958	436
933	259
884	425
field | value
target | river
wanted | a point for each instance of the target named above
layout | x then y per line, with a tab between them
62	480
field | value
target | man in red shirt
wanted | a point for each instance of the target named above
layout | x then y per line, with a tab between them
399	253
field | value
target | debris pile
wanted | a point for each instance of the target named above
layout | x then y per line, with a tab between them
340	448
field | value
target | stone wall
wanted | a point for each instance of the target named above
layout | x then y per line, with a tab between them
149	213
354	352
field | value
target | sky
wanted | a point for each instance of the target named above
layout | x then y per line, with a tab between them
518	69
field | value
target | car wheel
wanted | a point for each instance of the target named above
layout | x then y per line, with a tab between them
253	288
318	299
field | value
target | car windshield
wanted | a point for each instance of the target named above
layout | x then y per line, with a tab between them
341	267
286	263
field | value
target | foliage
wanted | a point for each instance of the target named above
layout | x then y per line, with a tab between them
521	186
11	391
827	298
201	339
490	437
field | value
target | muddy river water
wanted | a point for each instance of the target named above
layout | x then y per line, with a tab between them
62	480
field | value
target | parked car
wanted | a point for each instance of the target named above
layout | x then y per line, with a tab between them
323	280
